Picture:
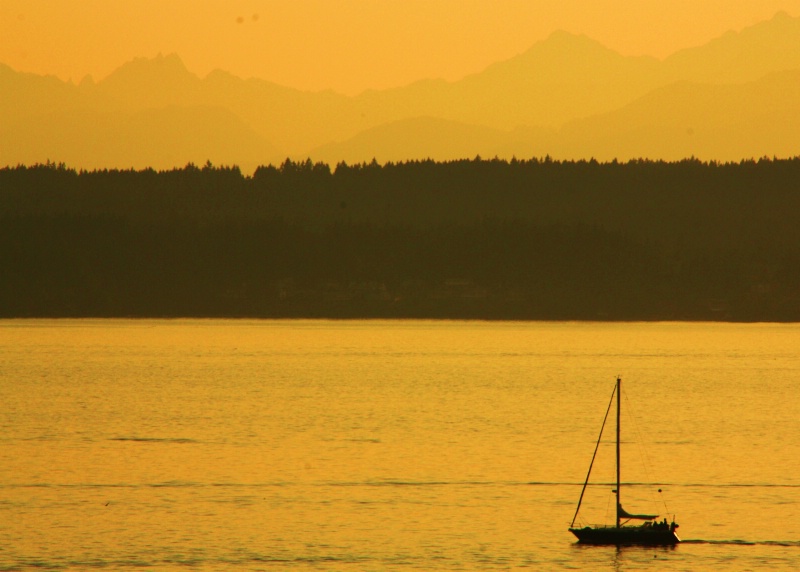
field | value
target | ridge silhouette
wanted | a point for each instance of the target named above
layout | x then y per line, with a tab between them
548	100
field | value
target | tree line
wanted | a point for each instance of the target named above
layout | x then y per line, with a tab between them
489	239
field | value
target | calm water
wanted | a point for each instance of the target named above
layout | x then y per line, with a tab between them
248	445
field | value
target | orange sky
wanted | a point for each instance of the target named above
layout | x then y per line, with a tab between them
346	45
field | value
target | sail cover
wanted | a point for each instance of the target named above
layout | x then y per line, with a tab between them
625	514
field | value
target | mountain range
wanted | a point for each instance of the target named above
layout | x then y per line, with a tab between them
568	96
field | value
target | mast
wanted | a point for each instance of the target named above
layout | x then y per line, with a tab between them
619	392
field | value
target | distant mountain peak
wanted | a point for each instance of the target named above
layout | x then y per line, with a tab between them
171	60
781	18
565	36
562	39
565	48
737	56
564	58
161	67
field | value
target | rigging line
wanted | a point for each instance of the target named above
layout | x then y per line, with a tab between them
597	446
645	458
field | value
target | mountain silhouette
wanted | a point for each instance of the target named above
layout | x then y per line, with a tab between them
148	83
684	119
412	139
568	96
160	138
736	57
711	122
564	77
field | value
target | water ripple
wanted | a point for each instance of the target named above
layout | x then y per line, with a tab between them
154	439
739	542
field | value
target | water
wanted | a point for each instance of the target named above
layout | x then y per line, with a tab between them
313	445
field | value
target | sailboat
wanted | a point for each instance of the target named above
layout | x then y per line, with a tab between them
649	531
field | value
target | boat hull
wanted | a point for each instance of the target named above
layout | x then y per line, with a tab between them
626	535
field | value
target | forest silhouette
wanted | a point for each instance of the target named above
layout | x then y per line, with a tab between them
476	239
